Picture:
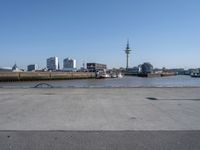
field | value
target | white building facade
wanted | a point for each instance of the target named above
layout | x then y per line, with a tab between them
52	63
69	64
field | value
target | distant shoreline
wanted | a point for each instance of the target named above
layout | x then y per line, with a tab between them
42	76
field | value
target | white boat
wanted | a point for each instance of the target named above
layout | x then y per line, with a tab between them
113	76
119	75
102	75
105	75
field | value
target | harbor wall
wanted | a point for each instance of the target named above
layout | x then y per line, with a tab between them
34	76
152	75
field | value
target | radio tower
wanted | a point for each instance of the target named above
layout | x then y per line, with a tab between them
127	51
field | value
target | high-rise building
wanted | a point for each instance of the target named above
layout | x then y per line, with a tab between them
52	63
32	67
69	64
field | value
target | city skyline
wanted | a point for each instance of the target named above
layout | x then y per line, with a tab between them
163	33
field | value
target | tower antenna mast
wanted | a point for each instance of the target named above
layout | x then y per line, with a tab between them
127	52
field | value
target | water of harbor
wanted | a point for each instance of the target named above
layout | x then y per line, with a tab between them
127	81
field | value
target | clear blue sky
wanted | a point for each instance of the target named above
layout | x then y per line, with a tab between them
165	33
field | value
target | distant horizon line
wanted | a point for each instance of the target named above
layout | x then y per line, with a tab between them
40	68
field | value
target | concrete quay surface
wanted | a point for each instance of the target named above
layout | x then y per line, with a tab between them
100	119
100	109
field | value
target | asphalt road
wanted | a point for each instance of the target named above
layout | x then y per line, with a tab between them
100	140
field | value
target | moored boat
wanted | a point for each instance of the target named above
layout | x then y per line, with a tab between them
113	75
102	75
195	75
119	75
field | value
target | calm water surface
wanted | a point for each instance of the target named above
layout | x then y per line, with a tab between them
173	81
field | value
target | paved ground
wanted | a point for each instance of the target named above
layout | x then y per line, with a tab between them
100	118
100	109
100	140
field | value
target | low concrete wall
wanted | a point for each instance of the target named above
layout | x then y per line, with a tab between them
32	76
153	75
